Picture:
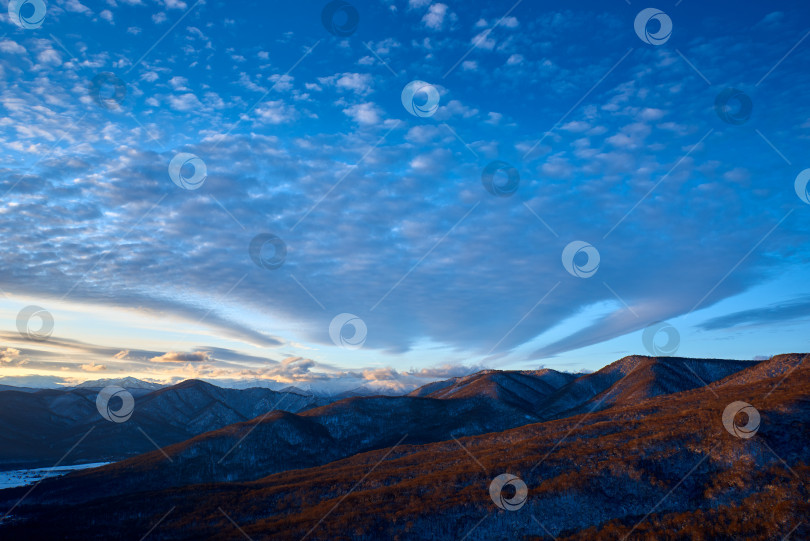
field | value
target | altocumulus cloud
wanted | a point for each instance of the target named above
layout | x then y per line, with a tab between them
384	220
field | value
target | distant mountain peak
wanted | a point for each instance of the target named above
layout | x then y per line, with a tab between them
520	388
295	390
125	382
193	383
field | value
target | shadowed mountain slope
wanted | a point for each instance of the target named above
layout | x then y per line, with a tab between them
38	428
18	389
282	441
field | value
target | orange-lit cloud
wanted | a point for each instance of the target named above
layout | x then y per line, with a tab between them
9	355
92	367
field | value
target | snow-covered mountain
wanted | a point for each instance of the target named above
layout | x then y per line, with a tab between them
524	389
593	475
635	378
126	383
129	383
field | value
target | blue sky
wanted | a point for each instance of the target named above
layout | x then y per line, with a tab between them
617	143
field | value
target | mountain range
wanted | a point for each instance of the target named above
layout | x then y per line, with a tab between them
629	451
39	426
133	385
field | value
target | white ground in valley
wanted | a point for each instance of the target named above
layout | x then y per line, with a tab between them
21	478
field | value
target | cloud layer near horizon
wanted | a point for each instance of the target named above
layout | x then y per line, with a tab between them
222	366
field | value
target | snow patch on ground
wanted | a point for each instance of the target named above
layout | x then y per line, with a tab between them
21	478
